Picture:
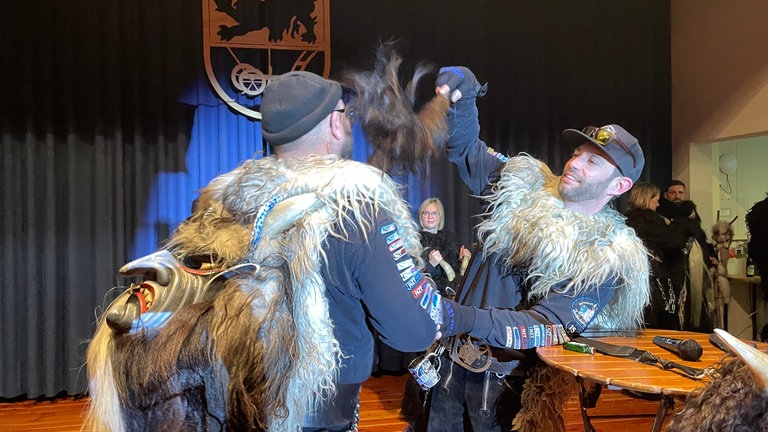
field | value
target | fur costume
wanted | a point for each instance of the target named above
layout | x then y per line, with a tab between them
260	353
585	250
249	343
582	249
722	235
528	227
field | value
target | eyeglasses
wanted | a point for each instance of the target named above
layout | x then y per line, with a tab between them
430	213
346	110
604	137
347	94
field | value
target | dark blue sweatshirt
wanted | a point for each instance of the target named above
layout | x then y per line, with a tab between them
376	280
492	304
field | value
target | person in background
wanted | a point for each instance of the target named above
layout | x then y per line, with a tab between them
700	257
445	256
665	241
556	260
757	225
674	205
446	260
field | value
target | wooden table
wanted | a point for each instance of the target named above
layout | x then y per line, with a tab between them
630	375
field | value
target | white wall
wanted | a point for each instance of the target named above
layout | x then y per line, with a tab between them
737	193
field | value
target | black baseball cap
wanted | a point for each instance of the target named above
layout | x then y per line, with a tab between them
621	147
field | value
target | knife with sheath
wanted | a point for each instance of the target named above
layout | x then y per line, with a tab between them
640	356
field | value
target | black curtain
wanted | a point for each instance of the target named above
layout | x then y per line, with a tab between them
96	112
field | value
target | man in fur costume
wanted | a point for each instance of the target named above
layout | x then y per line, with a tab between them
554	260
255	315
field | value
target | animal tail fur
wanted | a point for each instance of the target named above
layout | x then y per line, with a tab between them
402	138
544	393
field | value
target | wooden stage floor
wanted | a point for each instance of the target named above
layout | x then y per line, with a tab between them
379	412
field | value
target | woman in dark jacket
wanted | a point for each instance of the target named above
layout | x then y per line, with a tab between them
443	253
665	240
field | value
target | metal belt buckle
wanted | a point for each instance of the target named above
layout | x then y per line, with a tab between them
471	353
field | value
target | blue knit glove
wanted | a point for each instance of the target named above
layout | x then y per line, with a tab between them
461	79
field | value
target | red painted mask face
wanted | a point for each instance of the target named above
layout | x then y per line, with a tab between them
166	285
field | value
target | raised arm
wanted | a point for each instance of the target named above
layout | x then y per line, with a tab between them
477	163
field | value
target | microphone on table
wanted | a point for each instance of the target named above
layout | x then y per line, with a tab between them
687	349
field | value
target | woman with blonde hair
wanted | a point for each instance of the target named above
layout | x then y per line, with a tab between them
443	253
665	241
644	196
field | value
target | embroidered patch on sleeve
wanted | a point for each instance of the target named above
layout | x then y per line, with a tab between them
427	294
411	283
525	337
497	155
399	254
407	273
397	244
392	237
434	305
387	228
584	310
419	290
401	265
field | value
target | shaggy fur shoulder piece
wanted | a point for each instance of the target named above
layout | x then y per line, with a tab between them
290	301
528	226
351	190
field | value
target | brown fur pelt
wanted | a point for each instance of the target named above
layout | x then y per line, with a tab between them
544	393
264	345
402	138
203	369
731	402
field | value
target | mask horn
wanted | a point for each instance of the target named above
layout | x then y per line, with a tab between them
754	358
288	211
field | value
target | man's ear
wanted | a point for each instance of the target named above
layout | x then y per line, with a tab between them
337	124
621	184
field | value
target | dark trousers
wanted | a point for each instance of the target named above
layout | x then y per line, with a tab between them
461	392
338	414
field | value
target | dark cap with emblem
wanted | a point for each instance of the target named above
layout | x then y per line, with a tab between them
621	147
294	103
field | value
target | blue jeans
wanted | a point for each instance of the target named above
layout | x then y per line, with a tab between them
460	389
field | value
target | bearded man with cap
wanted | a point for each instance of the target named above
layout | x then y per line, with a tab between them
554	260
